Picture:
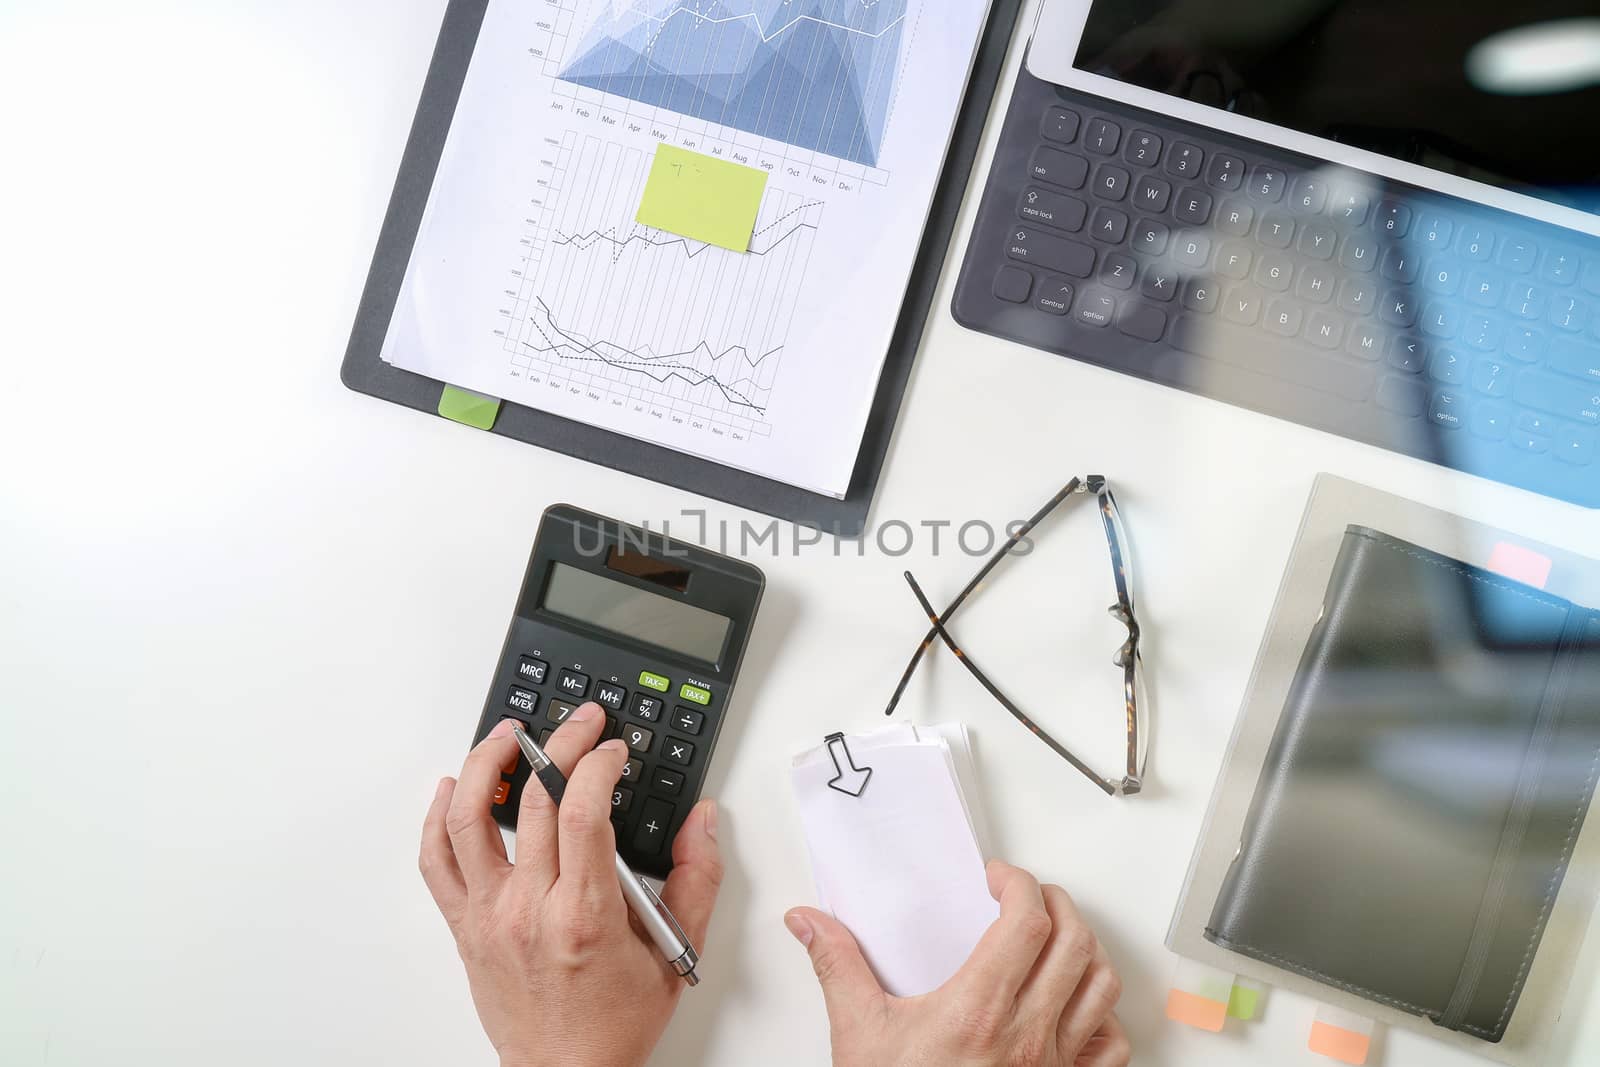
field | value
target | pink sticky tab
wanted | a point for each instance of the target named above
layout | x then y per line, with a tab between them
1520	564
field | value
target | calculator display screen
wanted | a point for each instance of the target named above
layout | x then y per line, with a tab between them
1500	93
628	612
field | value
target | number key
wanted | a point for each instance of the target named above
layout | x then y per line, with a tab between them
1225	173
1184	160
1102	136
559	711
1144	149
633	770
638	738
621	800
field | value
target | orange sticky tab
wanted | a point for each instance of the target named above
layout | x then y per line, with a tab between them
1196	1011
1520	564
1346	1046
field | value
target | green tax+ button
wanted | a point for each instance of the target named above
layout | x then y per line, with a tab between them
695	693
656	682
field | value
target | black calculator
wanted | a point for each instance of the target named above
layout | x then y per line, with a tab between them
651	629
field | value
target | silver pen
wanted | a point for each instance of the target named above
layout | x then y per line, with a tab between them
642	899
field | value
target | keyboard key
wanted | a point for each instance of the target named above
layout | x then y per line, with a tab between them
1434	232
1525	343
1160	282
1310	195
1118	270
1360	253
1394	219
1058	254
1580	360
1267	184
1242	306
1060	125
1441	320
1110	226
651	680
1530	442
1184	160
1447	410
1481	332
532	670
1325	330
1235	218
1560	267
1234	259
646	708
1102	136
1225	173
621	800
574	685
1407	353
1152	194
679	752
667	782
1526	301
1013	284
1096	308
1052	209
1402	396
613	728
1485	289
1192	251
1447	367
1317	240
1142	321
1194	206
1055	295
654	822
1111	183
1144	149
611	697
559	711
1558	395
1150	237
1351	207
1366	341
1476	243
1400	266
1518	255
1058	168
1315	284
1275	231
1398	309
637	738
632	771
1590	278
1528	422
1492	379
1357	297
1200	296
1575	445
1490	421
1443	277
1569	313
522	700
1253	351
1275	272
688	720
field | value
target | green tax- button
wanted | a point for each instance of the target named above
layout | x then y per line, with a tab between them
654	681
695	694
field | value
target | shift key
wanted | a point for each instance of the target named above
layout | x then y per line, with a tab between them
1556	395
1032	246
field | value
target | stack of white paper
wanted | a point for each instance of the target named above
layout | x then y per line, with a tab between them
900	864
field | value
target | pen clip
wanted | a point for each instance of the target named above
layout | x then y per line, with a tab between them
666	913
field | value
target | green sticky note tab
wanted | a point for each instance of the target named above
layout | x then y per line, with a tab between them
703	198
1242	1002
468	408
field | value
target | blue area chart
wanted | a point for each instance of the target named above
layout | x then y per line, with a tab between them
816	74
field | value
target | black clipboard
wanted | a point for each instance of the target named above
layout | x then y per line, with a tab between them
365	371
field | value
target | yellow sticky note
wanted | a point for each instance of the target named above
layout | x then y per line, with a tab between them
706	199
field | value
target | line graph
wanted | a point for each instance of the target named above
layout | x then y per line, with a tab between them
647	322
816	74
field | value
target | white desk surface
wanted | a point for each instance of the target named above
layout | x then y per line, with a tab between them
247	617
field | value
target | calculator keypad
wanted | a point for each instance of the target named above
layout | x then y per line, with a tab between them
654	788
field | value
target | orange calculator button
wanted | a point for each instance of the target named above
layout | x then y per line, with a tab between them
502	793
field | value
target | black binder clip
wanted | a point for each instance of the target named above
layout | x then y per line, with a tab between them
850	779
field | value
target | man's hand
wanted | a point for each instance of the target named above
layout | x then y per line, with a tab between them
1038	991
558	972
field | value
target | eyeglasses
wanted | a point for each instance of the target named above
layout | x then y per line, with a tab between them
1127	657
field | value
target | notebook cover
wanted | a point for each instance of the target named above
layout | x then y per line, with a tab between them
1424	787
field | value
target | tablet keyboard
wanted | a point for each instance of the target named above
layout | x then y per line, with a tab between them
1386	313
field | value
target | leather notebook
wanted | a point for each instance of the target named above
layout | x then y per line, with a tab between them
1424	787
